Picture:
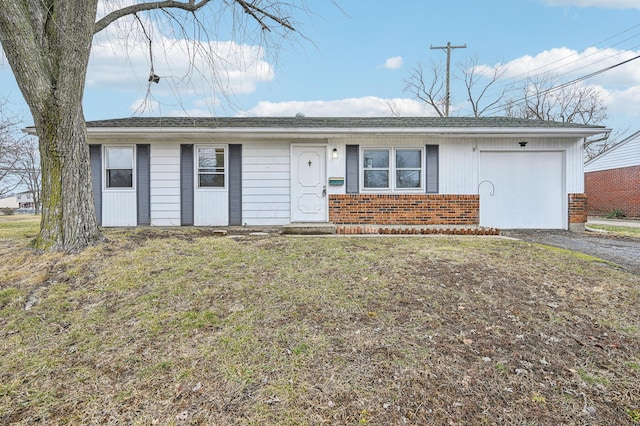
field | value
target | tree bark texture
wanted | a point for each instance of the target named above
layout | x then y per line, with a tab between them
47	43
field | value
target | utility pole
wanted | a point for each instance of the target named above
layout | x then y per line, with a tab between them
448	48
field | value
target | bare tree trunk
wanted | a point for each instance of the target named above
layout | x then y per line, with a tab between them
47	44
68	220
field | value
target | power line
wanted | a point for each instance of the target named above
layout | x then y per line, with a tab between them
574	81
448	48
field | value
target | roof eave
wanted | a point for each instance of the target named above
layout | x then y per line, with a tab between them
329	131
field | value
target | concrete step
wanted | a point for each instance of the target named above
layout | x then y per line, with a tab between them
309	228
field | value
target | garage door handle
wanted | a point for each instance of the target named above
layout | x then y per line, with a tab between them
493	188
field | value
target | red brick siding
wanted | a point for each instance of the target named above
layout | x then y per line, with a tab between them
413	209
577	208
614	189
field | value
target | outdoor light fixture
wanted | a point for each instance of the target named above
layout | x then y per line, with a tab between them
522	144
334	153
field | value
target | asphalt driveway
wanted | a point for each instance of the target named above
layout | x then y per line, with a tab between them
625	252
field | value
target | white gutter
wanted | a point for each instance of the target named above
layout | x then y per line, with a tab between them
324	131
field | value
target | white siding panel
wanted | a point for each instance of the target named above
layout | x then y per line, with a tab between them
266	168
266	183
259	191
627	154
457	167
211	208
165	168
119	208
165	184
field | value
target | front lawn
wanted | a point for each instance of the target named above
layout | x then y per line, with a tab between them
183	326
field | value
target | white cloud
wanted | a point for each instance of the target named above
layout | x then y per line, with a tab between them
619	86
605	4
624	102
567	64
392	63
120	62
369	106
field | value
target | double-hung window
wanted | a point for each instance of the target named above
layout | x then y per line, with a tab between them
408	168
119	162
376	168
392	169
210	163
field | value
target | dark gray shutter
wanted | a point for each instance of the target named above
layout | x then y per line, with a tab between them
235	185
432	169
95	157
186	185
143	184
353	173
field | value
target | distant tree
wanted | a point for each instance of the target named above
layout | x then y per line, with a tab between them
47	44
596	146
8	152
548	99
27	168
544	98
428	86
478	85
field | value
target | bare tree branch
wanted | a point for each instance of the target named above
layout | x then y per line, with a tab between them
544	99
189	6
471	75
260	14
431	93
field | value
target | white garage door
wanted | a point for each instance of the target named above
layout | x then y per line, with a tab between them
522	190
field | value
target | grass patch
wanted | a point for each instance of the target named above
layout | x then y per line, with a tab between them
623	231
183	327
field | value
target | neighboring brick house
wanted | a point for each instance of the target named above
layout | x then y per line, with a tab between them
493	172
612	179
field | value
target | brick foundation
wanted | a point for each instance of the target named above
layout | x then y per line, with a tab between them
613	189
404	209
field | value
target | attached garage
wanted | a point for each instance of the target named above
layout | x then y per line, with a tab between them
523	190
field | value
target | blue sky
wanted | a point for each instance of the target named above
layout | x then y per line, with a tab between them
360	54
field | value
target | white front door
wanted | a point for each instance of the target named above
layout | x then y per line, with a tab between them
308	184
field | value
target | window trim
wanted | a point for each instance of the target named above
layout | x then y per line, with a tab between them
105	170
388	169
393	185
196	167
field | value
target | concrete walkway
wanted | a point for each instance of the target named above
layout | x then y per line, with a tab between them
613	222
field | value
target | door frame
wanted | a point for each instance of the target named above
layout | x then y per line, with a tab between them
322	150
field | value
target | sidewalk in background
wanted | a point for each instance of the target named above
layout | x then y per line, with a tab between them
613	222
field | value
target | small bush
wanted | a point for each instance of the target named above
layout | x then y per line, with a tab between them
615	214
7	211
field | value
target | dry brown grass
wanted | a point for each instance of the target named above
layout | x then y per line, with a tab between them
179	327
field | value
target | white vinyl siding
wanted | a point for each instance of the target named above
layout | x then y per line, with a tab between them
627	154
165	184
266	188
